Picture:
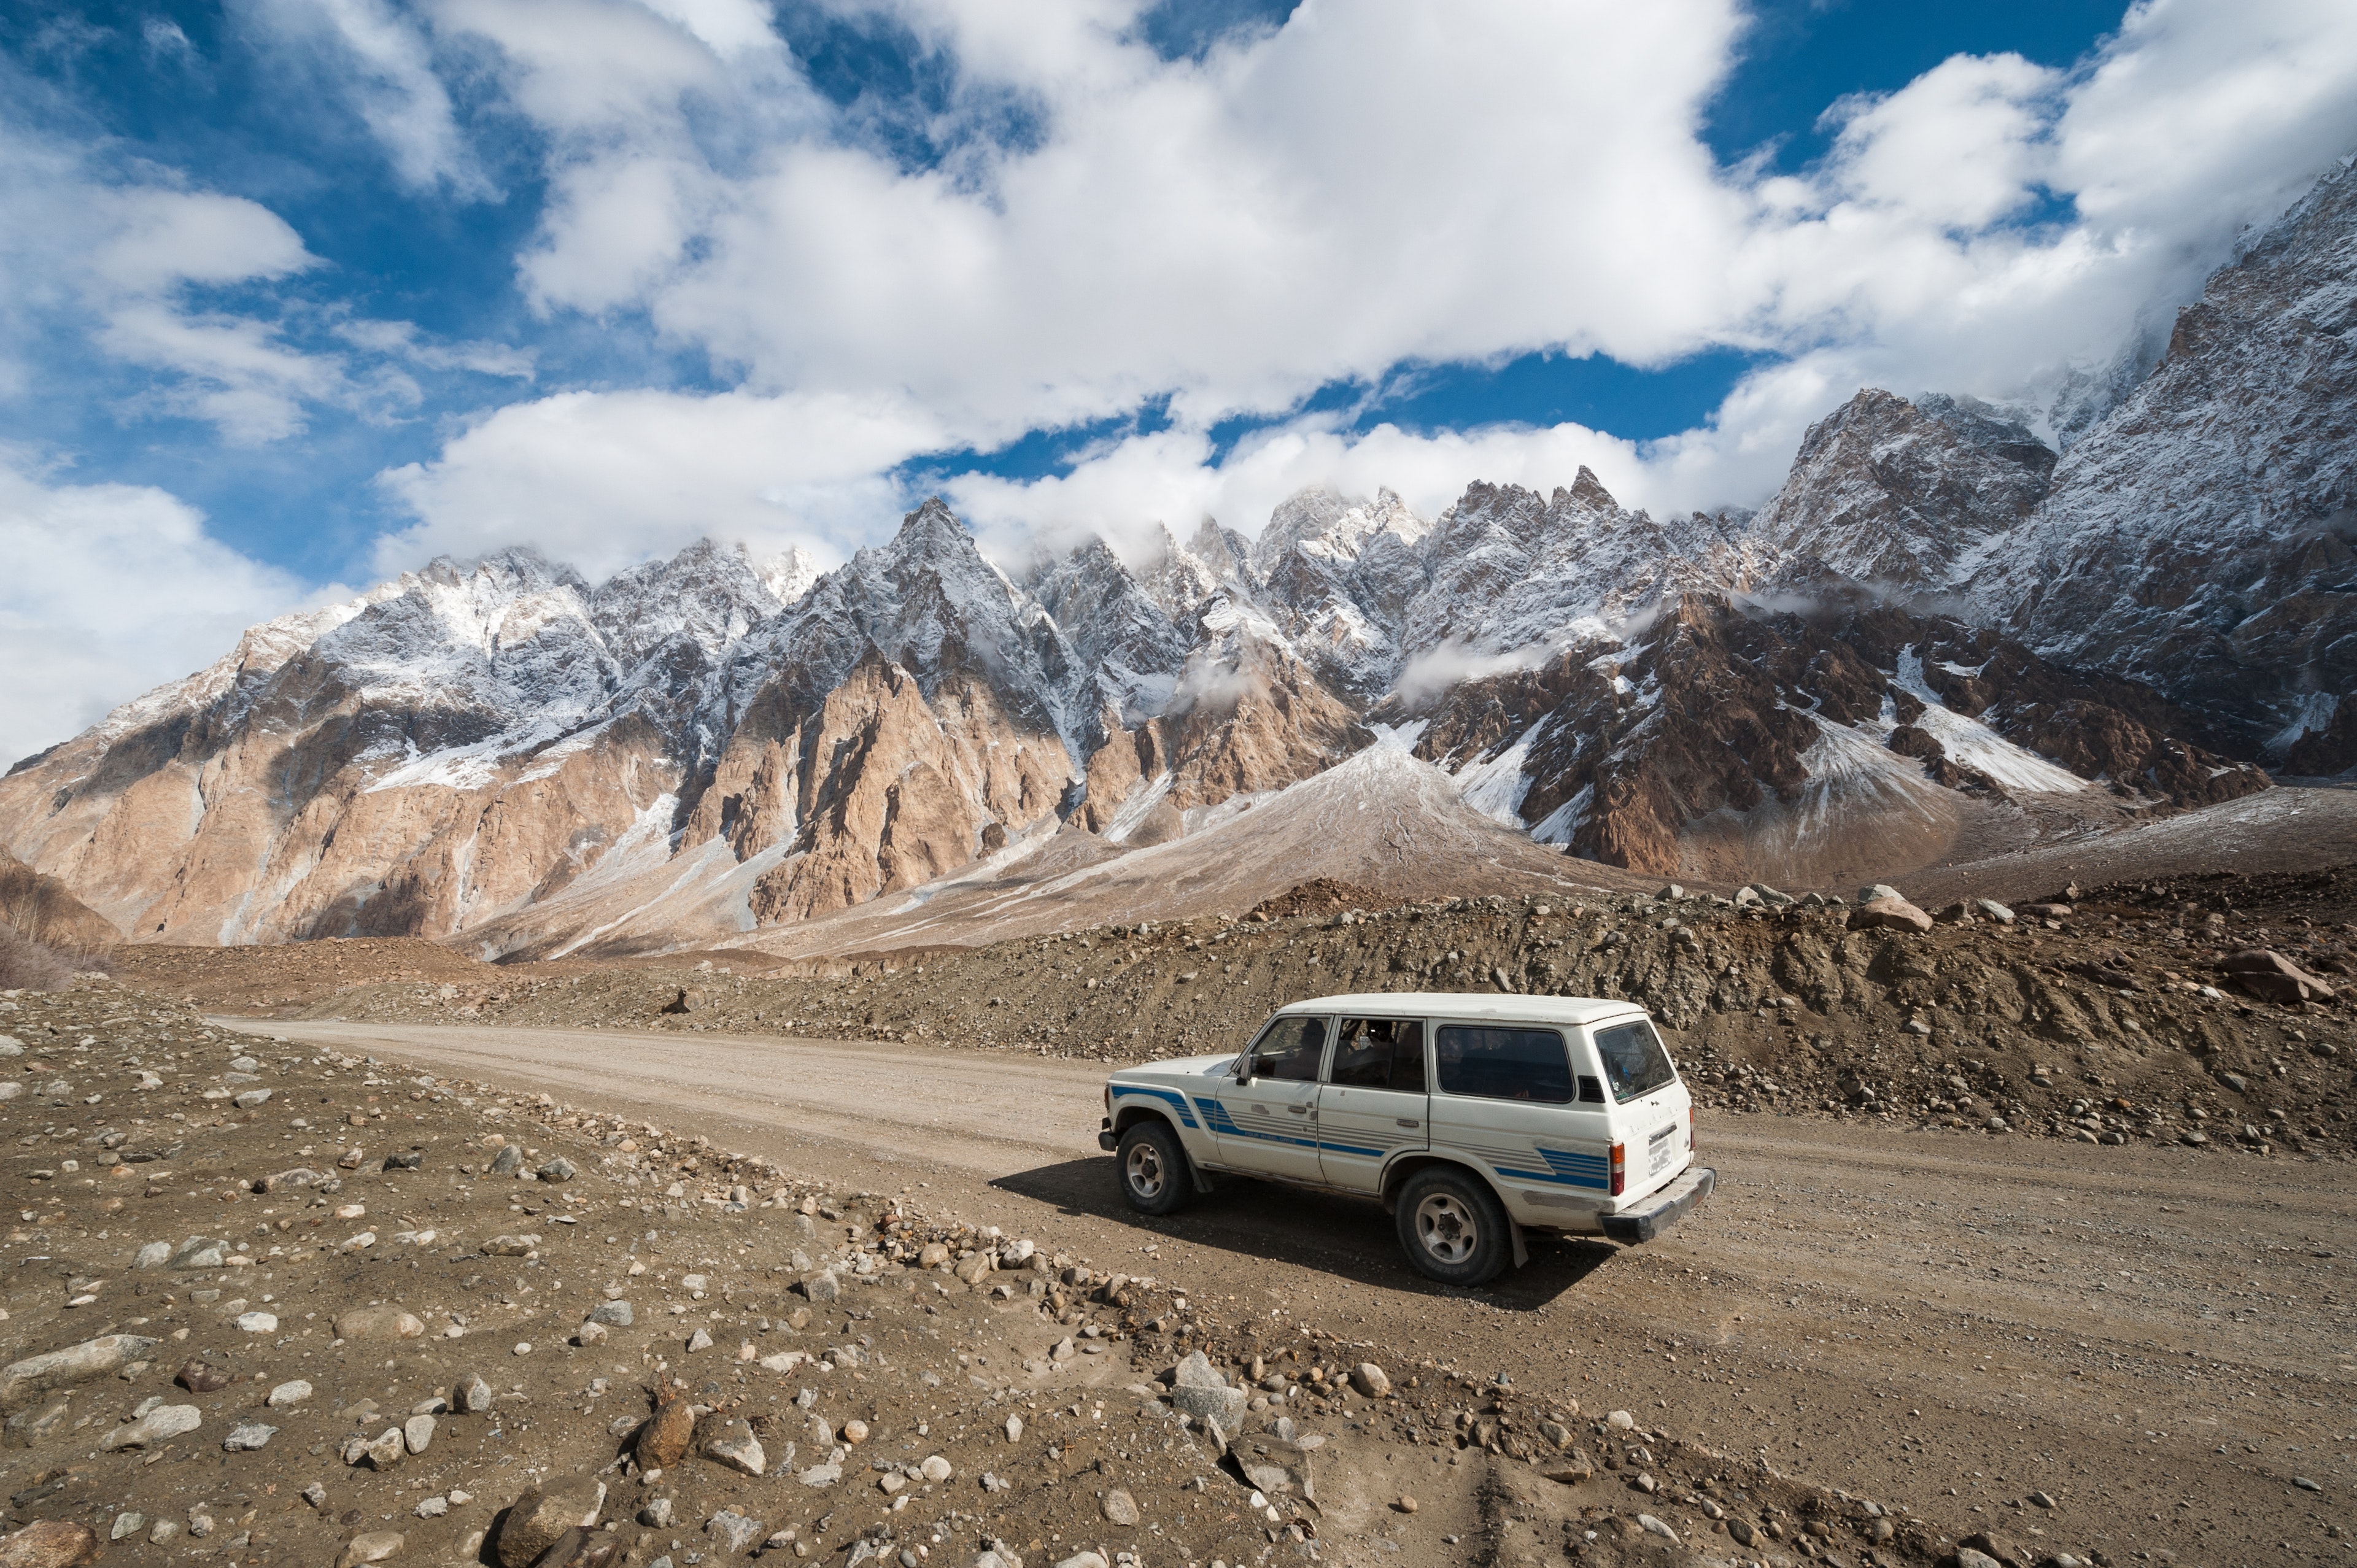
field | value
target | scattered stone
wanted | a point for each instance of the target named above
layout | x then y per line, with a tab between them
855	1431
662	1440
1405	1505
1621	1420
1652	1526
734	1445
247	1436
544	1513
558	1169
936	1469
294	1393
511	1246
158	1425
1370	1381
472	1396
417	1433
1274	1465
612	1314
378	1322
508	1160
732	1530
1990	910
130	1522
975	1269
153	1255
203	1378
822	1286
1014	1429
50	1544
75	1364
1118	1508
376	1546
257	1322
821	1476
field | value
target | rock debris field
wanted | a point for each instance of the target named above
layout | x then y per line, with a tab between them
2107	1015
271	1306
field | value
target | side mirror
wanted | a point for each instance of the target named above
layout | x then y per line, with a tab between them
1243	1070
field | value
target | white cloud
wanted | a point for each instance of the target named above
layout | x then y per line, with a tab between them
1372	183
603	480
111	589
385	63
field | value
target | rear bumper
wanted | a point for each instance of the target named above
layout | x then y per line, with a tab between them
1663	1210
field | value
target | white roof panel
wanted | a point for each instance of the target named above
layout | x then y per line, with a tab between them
1498	1006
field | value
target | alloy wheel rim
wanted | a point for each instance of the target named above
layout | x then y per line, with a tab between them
1446	1227
1145	1169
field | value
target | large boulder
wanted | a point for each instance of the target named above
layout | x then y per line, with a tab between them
1893	913
2271	977
74	1364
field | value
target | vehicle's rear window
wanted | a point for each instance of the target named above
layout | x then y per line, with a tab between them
1503	1064
1380	1053
1633	1060
1290	1049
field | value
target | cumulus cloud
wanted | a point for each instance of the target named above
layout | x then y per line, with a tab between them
111	589
1370	184
383	60
603	480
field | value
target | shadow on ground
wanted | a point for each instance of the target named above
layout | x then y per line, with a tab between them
1352	1239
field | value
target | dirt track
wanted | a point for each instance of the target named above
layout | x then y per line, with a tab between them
2159	1338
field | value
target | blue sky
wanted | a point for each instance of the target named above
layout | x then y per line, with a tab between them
331	285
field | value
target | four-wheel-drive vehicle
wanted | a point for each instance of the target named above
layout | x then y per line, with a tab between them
1473	1118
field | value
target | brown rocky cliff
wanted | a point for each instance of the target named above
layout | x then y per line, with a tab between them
895	790
42	908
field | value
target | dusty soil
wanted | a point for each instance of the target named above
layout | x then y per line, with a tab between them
2153	1337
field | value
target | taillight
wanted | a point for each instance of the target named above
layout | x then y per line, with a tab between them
1619	1169
1690	1129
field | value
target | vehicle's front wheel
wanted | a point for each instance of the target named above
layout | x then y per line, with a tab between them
1452	1226
1155	1175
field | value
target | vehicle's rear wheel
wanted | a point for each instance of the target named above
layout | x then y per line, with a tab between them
1155	1175
1452	1226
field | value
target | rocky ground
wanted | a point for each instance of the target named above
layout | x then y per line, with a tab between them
2105	1015
269	1305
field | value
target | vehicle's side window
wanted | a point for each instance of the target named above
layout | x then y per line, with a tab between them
1380	1053
1633	1060
1504	1064
1407	1056
1290	1050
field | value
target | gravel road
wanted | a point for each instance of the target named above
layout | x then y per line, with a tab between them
2160	1340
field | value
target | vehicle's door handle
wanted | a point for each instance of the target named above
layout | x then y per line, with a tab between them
1405	1122
1298	1110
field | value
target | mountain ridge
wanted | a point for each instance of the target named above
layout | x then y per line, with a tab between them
1936	628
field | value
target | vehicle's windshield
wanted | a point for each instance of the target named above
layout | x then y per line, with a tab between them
1633	1060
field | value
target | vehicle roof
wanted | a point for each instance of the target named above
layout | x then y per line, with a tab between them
1504	1007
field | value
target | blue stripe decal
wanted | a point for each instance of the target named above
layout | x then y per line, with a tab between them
1353	1149
1224	1125
1176	1099
1567	1169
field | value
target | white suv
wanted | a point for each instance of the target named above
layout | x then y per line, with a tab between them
1473	1118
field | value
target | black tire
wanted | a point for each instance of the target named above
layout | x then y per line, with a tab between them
1452	1226
1154	1174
